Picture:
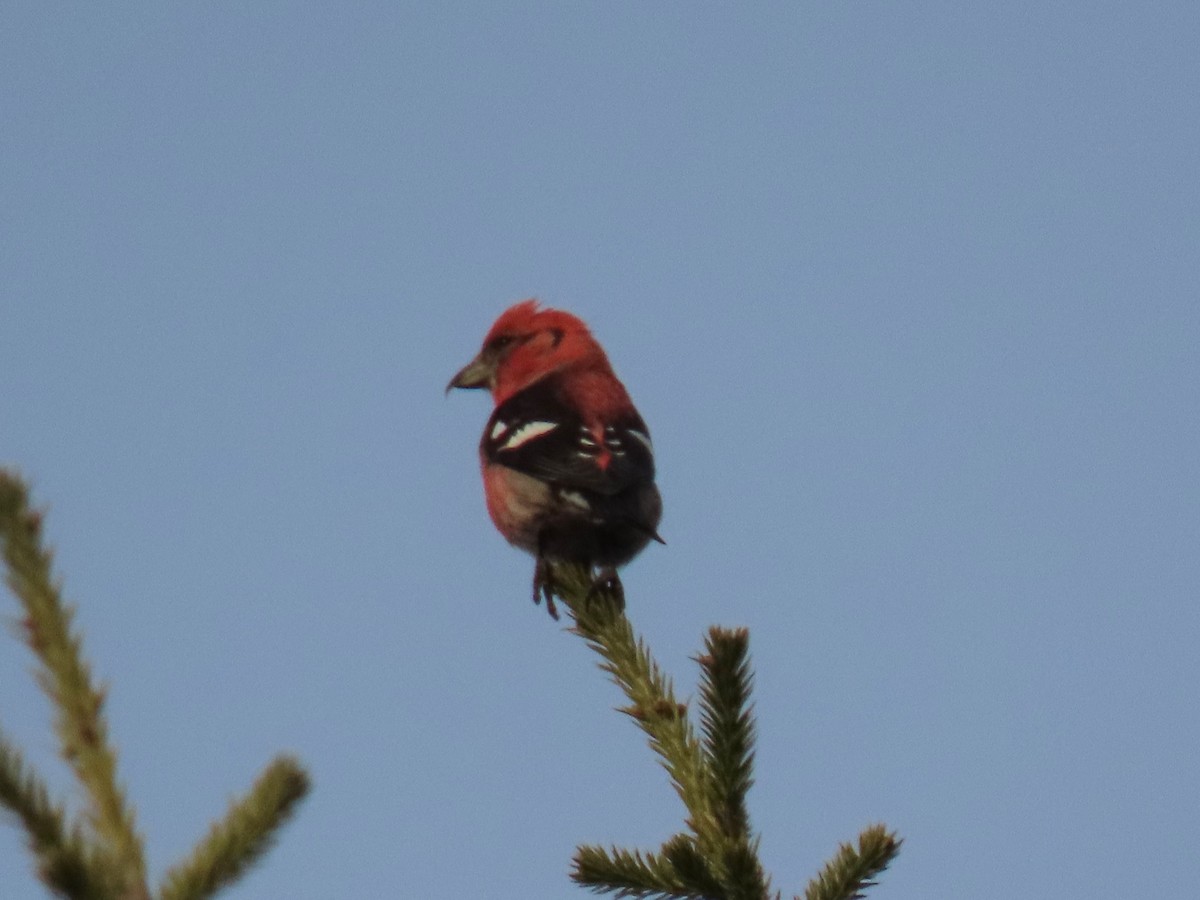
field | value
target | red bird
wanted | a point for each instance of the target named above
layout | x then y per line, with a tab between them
568	468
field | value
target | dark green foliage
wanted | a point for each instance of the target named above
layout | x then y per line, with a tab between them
628	873
100	856
690	865
727	724
852	870
717	858
61	856
237	841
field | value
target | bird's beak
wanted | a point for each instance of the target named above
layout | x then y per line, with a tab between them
478	373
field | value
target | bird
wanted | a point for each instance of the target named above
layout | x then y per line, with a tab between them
567	461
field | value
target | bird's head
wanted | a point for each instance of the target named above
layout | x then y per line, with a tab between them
525	344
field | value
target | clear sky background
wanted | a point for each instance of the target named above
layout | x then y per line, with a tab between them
909	295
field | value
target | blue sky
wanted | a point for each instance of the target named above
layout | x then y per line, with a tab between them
909	295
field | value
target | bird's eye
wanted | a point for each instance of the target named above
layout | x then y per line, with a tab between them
501	342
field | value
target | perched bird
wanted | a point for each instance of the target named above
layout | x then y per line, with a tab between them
568	467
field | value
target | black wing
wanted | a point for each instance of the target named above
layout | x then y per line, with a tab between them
536	432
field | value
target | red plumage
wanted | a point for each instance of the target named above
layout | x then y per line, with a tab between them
568	467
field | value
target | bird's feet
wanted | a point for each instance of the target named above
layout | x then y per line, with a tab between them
605	581
543	586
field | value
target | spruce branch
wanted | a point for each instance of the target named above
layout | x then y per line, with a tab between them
853	870
59	852
64	675
600	620
237	841
691	867
719	859
25	795
627	873
729	857
100	857
727	724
